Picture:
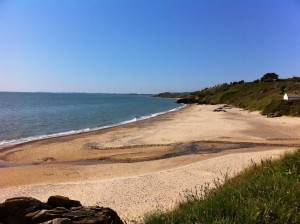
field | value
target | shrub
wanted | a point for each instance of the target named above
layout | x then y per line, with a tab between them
262	96
269	77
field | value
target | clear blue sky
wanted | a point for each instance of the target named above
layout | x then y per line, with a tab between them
144	46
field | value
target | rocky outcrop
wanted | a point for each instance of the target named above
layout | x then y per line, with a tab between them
57	210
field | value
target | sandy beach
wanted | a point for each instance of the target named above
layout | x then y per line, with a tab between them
146	165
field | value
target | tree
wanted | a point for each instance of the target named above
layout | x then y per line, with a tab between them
269	77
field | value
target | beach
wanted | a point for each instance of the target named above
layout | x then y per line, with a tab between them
146	165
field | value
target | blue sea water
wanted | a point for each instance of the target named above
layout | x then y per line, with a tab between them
30	116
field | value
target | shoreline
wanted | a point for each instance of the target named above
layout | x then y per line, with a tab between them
10	144
135	168
159	135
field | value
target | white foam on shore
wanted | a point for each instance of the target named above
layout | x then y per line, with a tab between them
6	143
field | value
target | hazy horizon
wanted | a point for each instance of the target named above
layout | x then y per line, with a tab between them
144	47
58	92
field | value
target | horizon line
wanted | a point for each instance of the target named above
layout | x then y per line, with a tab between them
72	92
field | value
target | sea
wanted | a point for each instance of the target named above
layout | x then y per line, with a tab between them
27	117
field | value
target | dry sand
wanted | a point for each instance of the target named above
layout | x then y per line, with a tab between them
138	167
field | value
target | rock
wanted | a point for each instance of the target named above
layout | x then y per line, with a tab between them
59	221
2	212
226	106
23	204
82	215
60	201
274	114
62	221
57	210
45	215
13	210
219	109
101	215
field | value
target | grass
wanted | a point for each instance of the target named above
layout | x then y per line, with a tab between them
262	194
257	95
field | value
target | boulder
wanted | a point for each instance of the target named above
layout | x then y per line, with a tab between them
274	114
57	210
60	201
13	210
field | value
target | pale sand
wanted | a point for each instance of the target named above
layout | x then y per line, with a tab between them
123	168
134	196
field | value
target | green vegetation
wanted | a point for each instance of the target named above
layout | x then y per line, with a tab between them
171	95
269	77
265	95
265	193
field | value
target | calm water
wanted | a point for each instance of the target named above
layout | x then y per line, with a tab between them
29	116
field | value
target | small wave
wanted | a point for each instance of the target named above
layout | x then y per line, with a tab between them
6	143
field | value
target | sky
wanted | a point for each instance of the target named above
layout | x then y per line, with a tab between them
142	46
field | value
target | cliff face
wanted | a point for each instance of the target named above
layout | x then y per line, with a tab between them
265	96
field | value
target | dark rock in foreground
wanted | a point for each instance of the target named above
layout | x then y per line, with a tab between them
57	210
60	201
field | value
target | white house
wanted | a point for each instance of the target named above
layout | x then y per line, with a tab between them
291	97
